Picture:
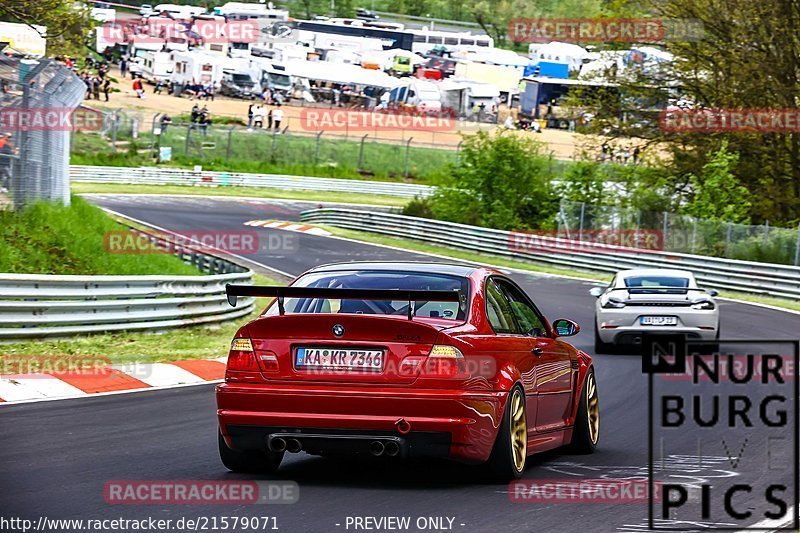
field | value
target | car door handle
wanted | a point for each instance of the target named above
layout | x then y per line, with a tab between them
537	351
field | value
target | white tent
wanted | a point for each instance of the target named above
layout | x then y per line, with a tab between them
341	73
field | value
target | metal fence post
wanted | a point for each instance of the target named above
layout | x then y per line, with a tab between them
580	227
728	239
316	149
361	152
114	130
458	154
766	232
230	138
638	228
797	248
188	134
694	233
272	149
408	153
153	134
664	231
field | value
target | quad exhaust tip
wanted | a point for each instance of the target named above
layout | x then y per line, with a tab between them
293	446
277	444
376	448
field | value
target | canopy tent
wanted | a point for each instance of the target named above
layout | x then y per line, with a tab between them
341	73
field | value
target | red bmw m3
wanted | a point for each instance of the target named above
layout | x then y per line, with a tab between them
403	360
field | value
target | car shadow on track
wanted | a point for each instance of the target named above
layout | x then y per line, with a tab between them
411	474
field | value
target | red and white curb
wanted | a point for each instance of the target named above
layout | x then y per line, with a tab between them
288	226
108	379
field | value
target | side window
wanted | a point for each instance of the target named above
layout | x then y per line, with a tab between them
498	310
528	319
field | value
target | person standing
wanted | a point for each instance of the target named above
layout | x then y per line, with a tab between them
106	88
96	86
277	117
250	117
123	67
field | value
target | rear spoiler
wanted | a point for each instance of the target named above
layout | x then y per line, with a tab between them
234	291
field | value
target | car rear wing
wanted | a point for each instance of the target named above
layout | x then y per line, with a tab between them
412	296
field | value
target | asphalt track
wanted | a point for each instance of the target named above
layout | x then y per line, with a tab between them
57	456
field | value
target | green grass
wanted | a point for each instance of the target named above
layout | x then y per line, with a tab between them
253	152
53	239
254	192
198	342
498	261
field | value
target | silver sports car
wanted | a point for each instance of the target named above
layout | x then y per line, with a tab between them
652	300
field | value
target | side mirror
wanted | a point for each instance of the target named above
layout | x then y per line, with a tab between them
713	293
596	291
565	328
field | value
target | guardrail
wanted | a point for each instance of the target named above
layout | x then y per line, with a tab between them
176	176
743	276
39	306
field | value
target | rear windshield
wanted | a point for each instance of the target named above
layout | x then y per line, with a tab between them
656	281
378	280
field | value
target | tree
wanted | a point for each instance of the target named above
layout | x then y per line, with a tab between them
503	182
717	193
747	57
68	23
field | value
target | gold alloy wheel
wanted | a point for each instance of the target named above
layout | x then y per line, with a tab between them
519	430
592	408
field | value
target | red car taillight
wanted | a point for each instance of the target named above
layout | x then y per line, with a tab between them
242	358
443	362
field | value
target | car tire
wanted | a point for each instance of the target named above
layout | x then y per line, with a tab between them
509	454
586	432
248	462
599	345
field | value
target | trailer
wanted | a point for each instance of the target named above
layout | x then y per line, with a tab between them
197	67
156	66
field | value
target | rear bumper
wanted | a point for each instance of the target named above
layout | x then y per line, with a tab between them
633	335
460	425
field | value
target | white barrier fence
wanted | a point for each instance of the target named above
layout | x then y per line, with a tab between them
39	306
744	276
176	176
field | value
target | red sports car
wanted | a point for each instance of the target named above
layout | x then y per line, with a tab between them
403	359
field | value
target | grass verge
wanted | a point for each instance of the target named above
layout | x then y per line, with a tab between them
495	260
254	152
54	239
197	342
253	192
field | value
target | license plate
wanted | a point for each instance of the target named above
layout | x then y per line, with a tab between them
339	359
658	321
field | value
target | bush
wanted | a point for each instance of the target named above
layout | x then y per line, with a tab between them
418	207
503	183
